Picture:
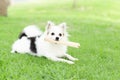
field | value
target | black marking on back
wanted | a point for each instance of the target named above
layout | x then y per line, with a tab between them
22	34
32	44
16	52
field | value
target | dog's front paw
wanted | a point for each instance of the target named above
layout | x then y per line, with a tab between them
73	59
70	62
76	59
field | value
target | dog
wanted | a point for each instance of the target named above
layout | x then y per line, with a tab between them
31	41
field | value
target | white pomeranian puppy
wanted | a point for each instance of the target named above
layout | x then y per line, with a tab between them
31	41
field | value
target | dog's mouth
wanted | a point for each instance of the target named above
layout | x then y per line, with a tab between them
52	41
56	40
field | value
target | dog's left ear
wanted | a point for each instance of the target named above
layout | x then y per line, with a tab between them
63	26
49	25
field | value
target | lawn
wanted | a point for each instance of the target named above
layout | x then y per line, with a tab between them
95	24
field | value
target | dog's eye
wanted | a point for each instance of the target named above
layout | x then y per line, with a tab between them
52	33
60	34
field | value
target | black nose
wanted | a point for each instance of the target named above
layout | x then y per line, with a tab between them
57	38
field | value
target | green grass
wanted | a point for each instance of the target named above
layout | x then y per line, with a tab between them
95	24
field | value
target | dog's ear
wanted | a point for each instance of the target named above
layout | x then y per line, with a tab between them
49	25
63	26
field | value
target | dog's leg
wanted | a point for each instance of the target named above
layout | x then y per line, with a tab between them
59	59
12	51
70	57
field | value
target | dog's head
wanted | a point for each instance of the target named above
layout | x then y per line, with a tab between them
56	32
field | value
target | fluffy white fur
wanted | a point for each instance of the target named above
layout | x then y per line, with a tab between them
23	45
32	31
51	51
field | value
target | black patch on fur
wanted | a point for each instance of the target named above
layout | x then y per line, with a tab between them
16	52
39	36
32	44
22	34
